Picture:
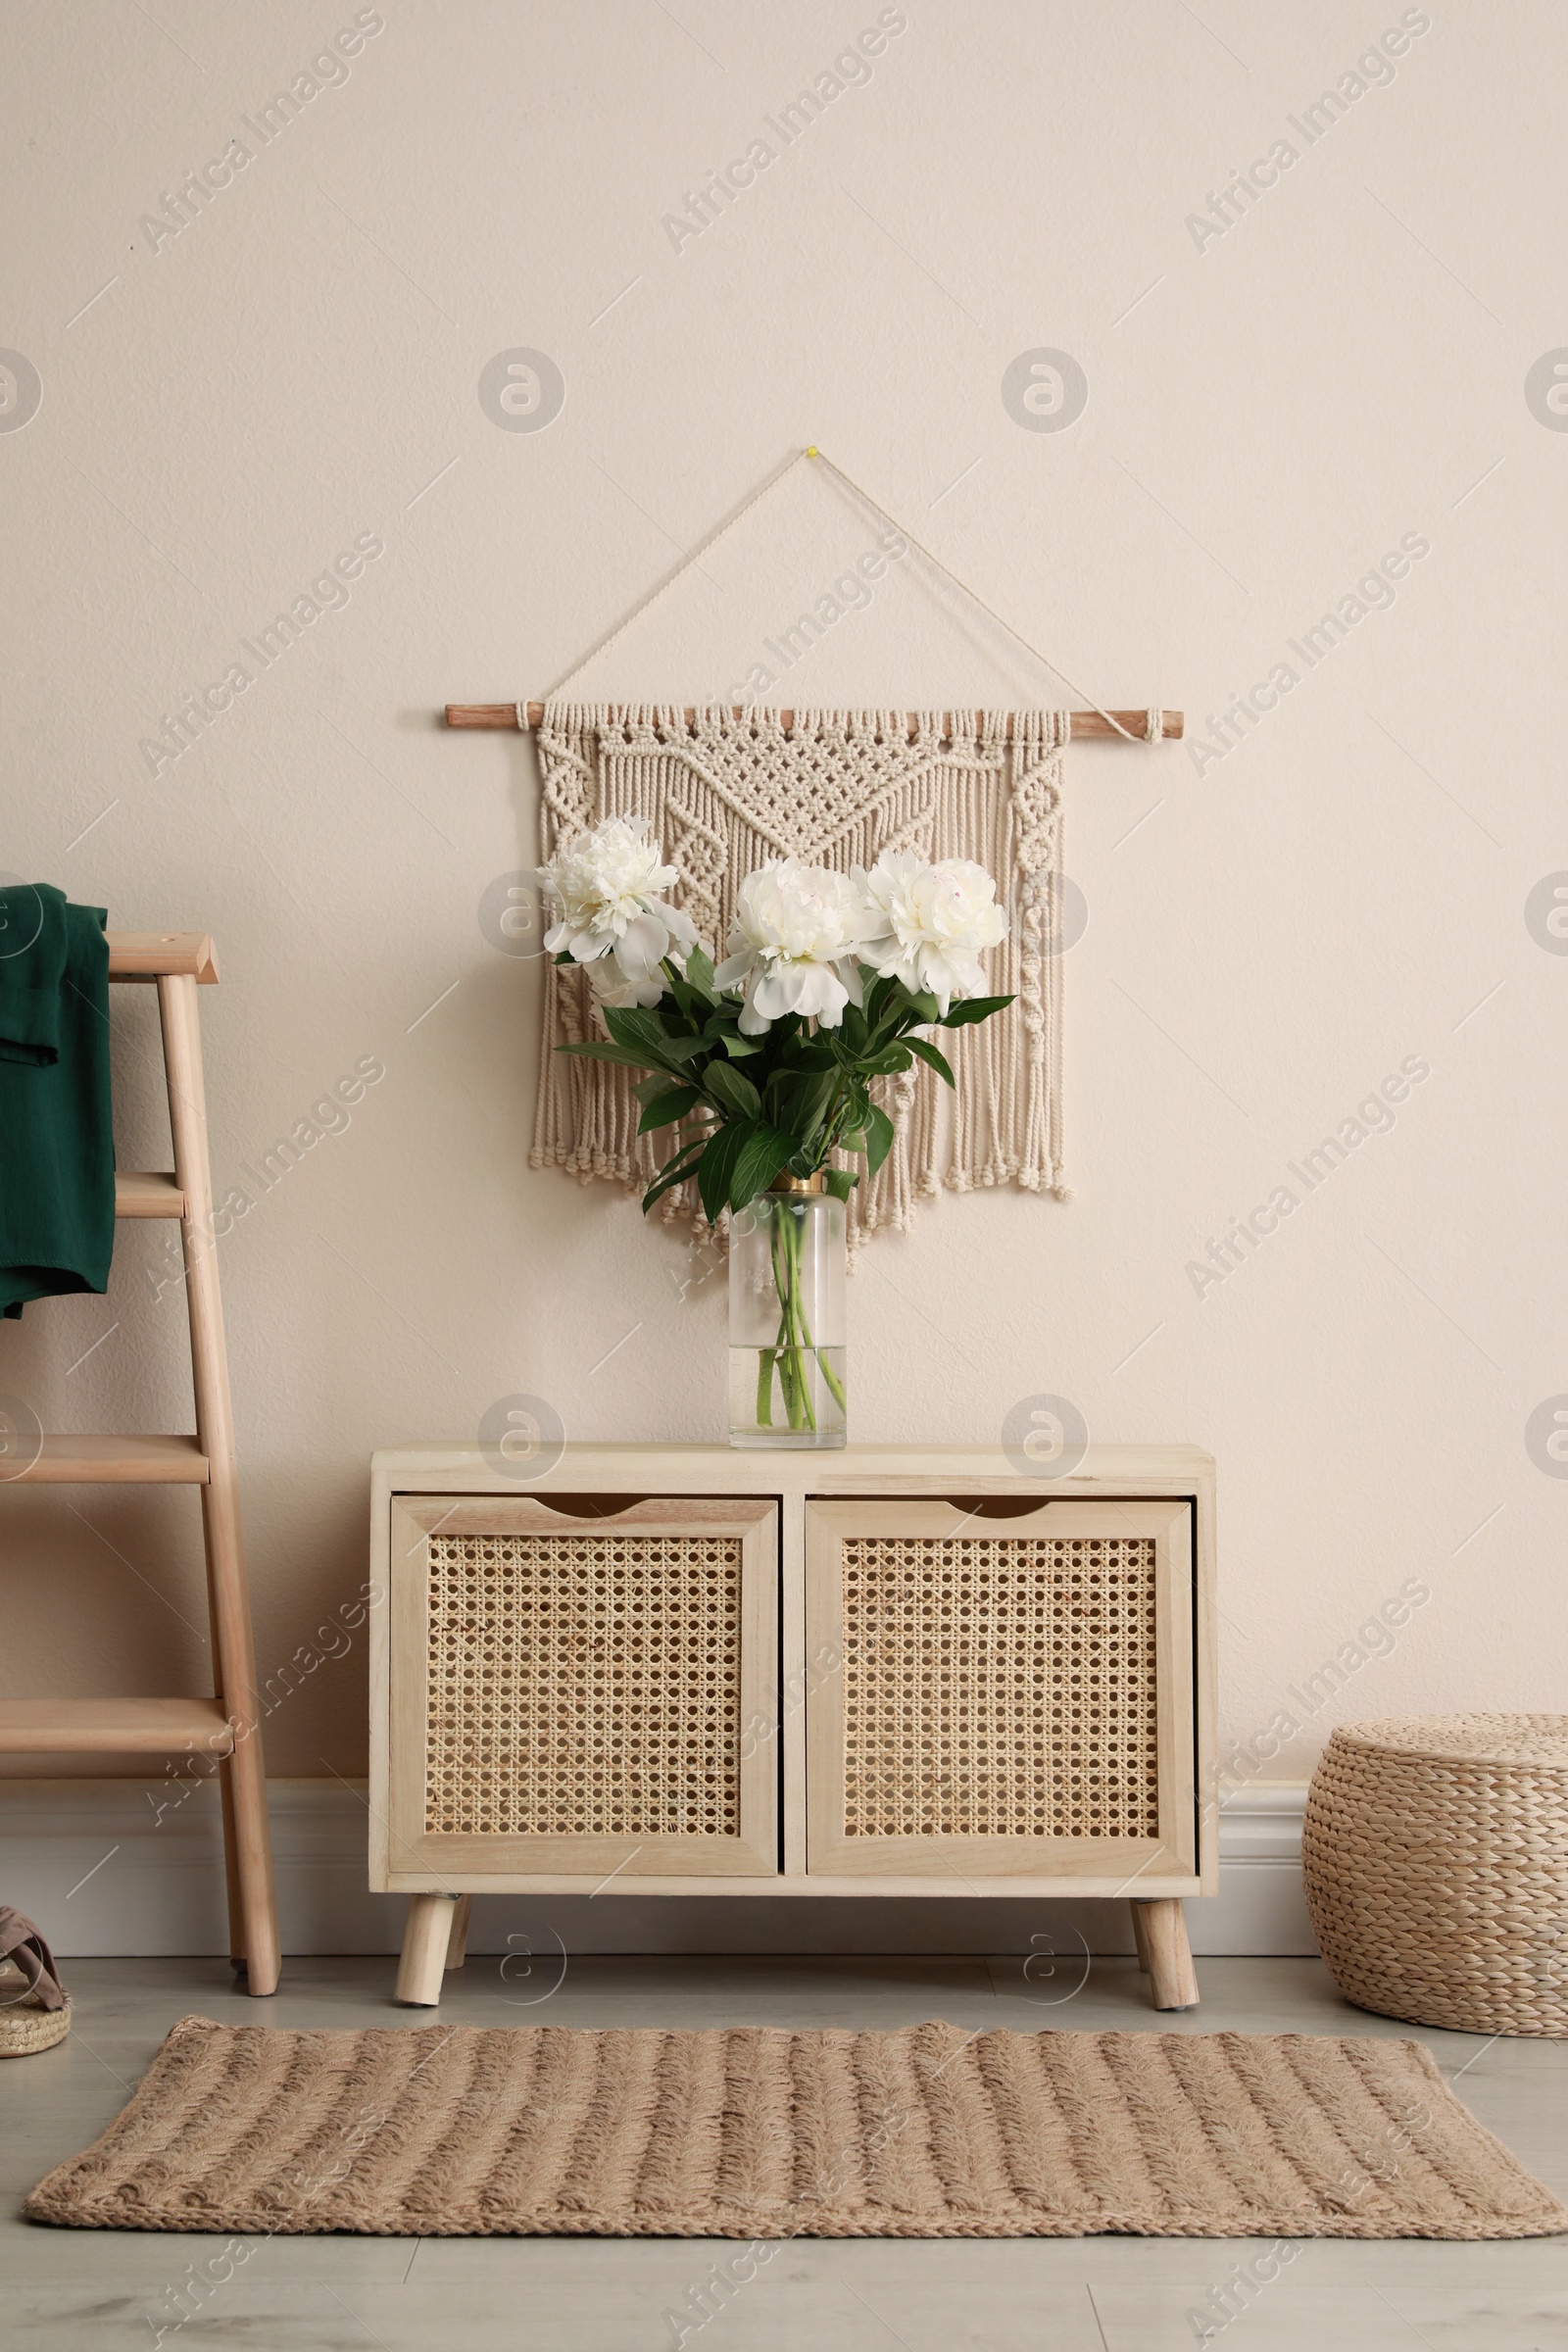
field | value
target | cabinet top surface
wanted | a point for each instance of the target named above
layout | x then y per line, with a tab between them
731	1469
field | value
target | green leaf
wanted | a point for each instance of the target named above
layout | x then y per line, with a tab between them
713	1177
661	1111
738	1047
636	1025
973	1008
757	1163
665	1184
735	1092
878	1138
693	992
684	1048
928	1054
693	1003
799	1102
840	1182
688	1153
675	1171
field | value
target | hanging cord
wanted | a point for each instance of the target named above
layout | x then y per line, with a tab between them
1154	728
670	577
1156	722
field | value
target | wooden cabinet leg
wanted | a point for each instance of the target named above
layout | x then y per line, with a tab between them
1172	1979
1139	1935
425	1940
457	1942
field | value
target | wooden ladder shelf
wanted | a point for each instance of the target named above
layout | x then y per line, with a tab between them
226	1726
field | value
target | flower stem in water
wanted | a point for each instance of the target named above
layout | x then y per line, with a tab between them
794	1337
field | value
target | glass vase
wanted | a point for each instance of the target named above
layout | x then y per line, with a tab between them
786	1318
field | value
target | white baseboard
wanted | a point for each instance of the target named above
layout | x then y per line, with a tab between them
101	1874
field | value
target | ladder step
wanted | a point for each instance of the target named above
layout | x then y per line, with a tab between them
150	1195
116	1462
158	1727
156	955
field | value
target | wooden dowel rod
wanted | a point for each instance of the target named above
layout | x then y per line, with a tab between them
1084	722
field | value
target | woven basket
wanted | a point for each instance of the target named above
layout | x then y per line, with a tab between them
1435	1852
25	2025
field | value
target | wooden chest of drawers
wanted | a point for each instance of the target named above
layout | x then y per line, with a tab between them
894	1670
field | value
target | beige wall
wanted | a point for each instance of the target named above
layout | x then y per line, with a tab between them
1272	932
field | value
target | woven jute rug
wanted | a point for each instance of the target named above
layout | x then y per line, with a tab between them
460	2131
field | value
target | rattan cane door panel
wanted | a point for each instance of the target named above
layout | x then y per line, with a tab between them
568	1692
1009	1695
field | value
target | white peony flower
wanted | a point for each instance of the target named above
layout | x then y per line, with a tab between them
930	923
798	932
607	884
612	989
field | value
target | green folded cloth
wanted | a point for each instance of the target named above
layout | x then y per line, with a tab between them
57	1145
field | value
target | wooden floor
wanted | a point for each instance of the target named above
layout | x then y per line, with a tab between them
69	2290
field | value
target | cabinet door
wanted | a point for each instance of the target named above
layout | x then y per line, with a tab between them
569	1689
1000	1694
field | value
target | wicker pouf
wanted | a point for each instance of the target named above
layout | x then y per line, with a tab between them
1435	1852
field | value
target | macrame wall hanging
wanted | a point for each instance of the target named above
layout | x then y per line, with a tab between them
725	790
835	788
